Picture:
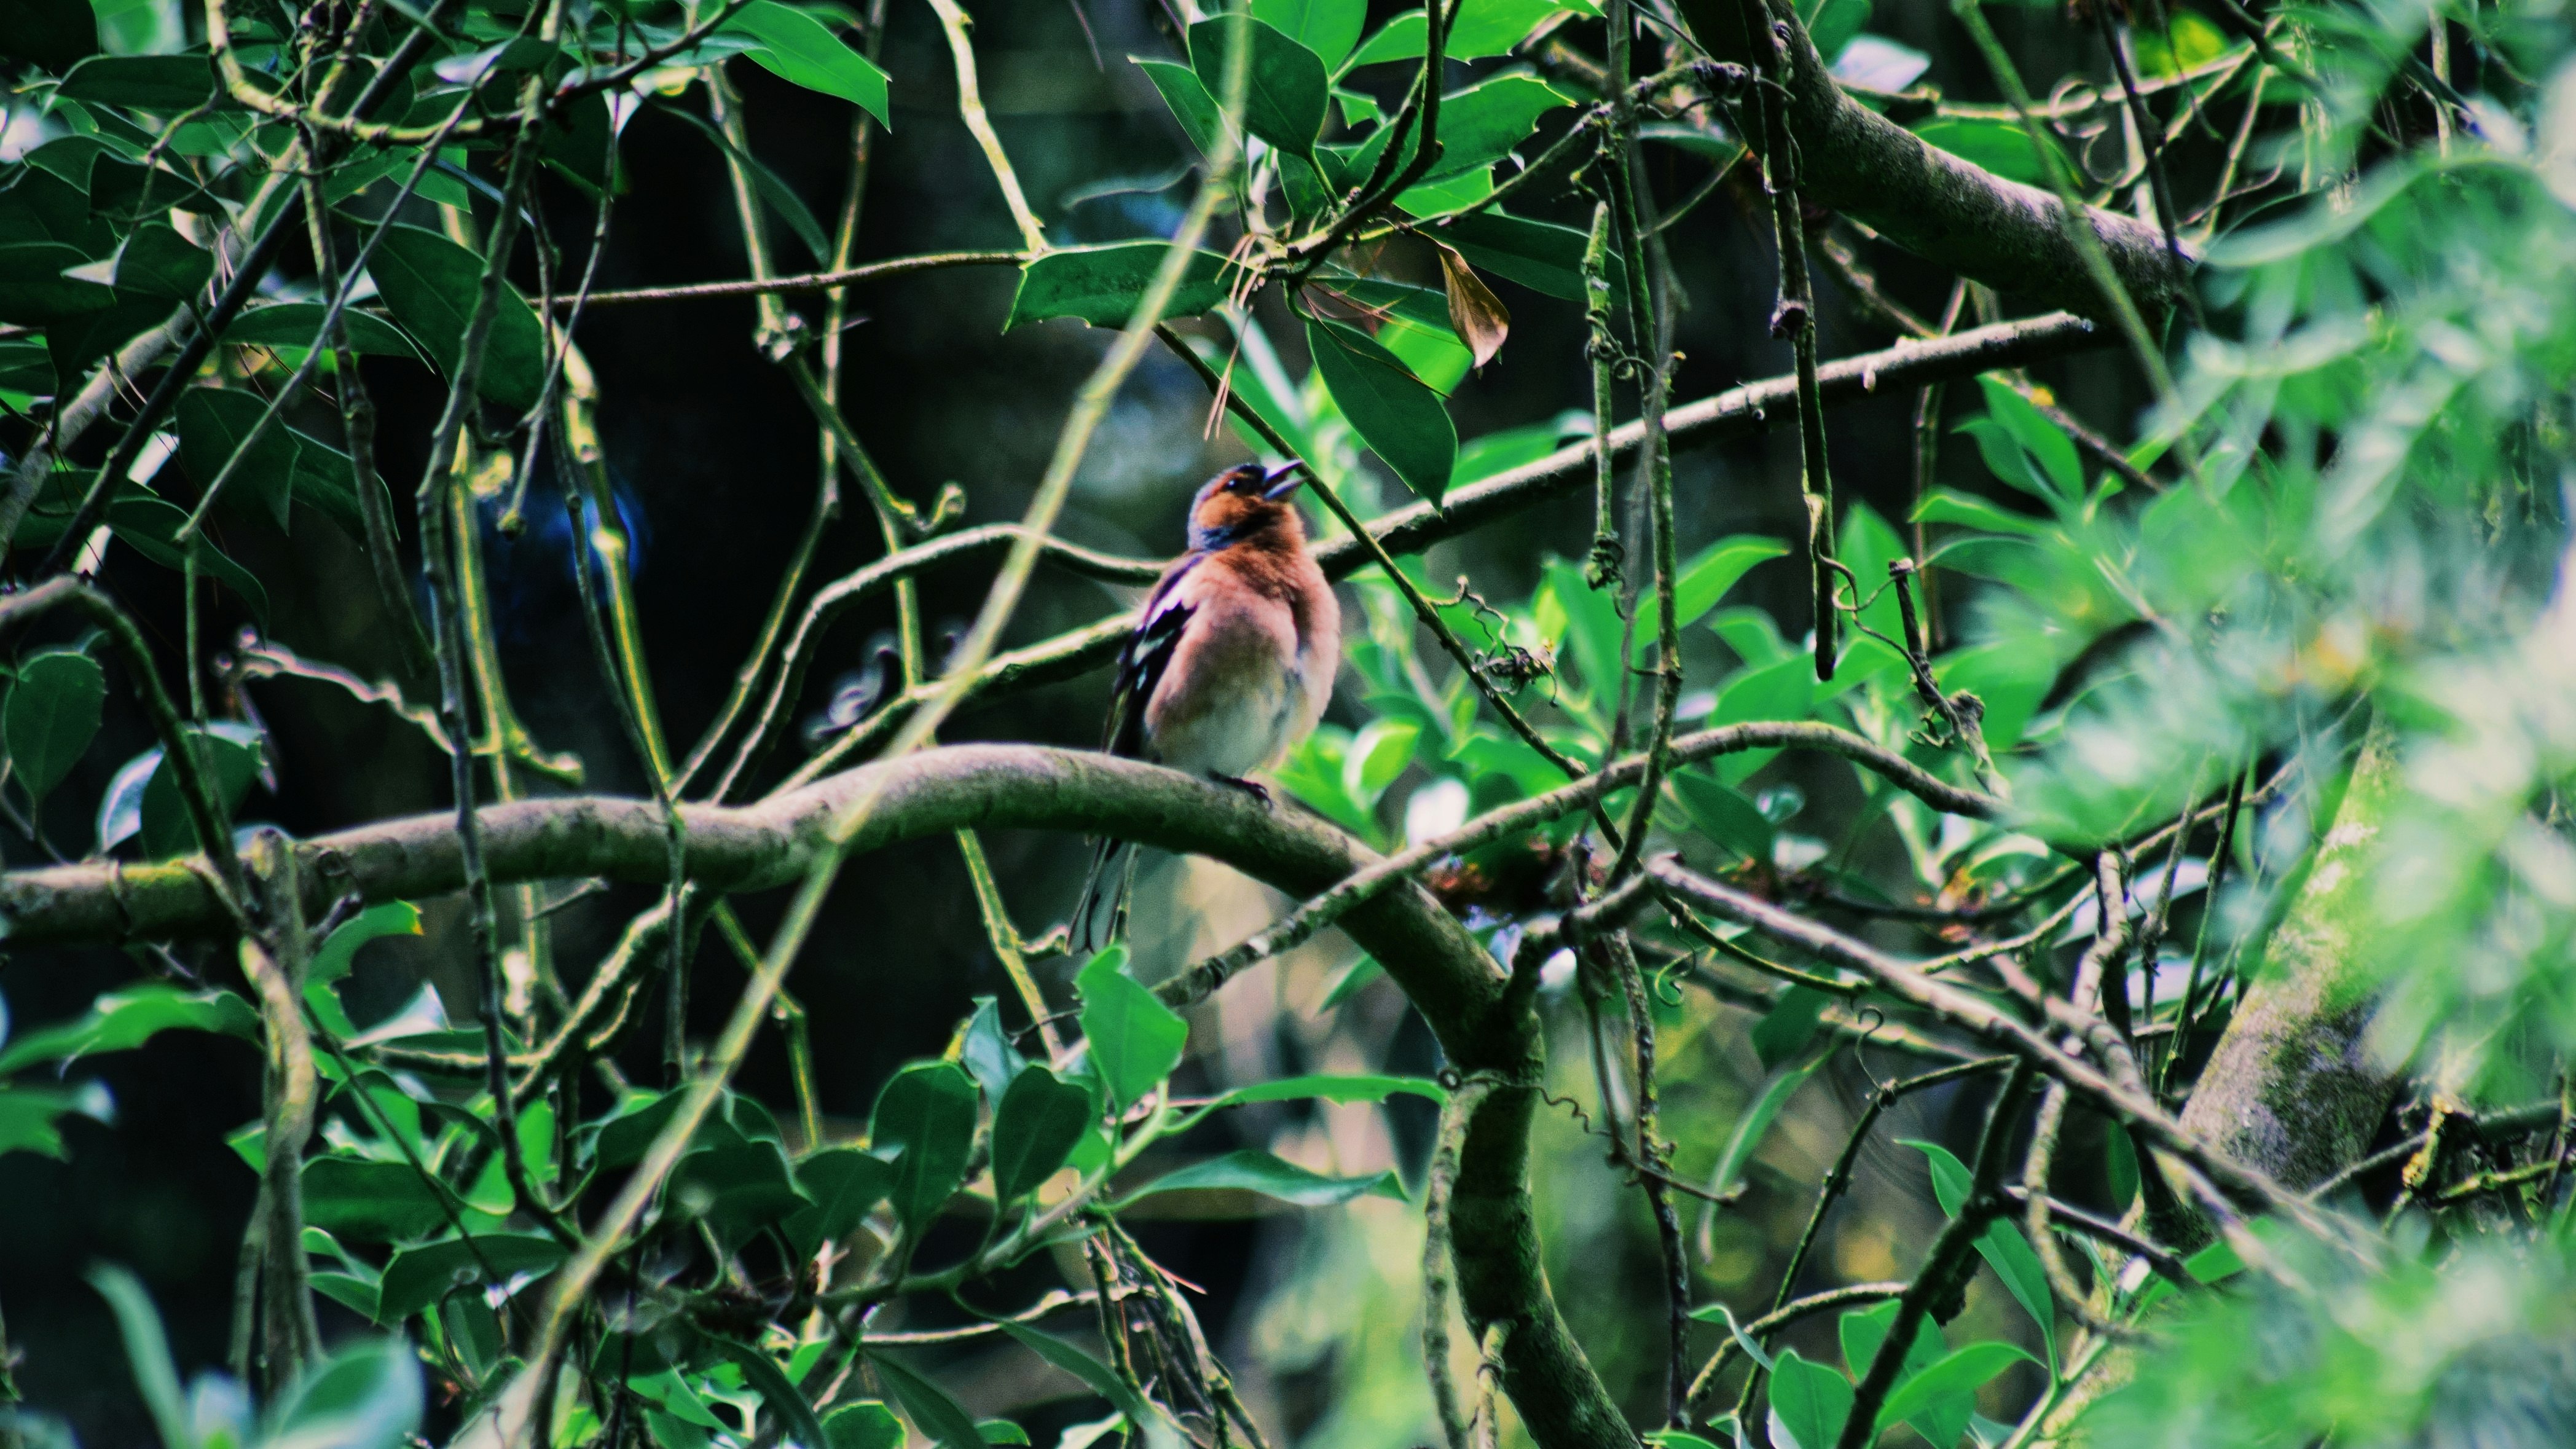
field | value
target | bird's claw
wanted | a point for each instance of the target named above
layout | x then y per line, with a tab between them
1253	788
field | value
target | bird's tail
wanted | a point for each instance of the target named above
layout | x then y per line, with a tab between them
1100	917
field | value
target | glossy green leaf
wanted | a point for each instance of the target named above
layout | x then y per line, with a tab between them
736	1187
771	186
1098	1376
1332	1088
1254	1171
2009	678
1999	146
1720	812
2037	435
844	1184
1539	255
54	34
34	291
419	1277
1401	420
986	1051
1329	28
299	324
1700	582
868	1425
1102	284
1285	87
29	1116
228	760
157	262
51	716
799	49
169	84
1831	24
371	1202
1946	505
1940	1418
1754	1125
1492	27
1482	123
1785	1030
1953	1379
1189	101
1809	1403
1378	754
430	284
927	1110
1034	1130
338	952
126	1018
1135	1040
2002	1246
787	1404
368	1395
938	1416
147	1351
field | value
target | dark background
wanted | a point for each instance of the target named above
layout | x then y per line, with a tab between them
715	461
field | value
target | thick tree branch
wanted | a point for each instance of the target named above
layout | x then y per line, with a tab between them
1935	205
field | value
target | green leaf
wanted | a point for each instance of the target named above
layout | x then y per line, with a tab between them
2003	1246
773	188
1809	1403
1539	255
1135	1040
844	1184
147	1351
1946	505
226	759
1101	1379
786	1403
799	49
1285	88
1720	812
1940	1418
1999	146
1329	28
34	291
927	1110
1400	419
166	83
1784	1030
1190	103
1102	284
736	1187
2010	678
1700	583
371	1202
418	1278
1954	1379
1754	1125
213	424
1034	1130
51	716
986	1051
1482	123
157	262
938	1416
28	1115
2037	435
55	34
366	1396
1362	971
867	1425
1378	754
1831	24
1489	27
430	284
1254	1171
1332	1088
124	1019
299	324
339	951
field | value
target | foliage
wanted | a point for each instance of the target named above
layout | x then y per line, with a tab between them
2066	749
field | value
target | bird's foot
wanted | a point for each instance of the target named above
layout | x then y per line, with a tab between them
1253	788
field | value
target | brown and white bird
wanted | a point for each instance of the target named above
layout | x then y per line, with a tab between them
1230	666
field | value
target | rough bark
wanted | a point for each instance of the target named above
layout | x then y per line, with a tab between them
1945	210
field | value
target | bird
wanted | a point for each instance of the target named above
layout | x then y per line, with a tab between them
1231	663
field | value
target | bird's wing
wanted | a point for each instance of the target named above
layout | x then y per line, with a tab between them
1147	653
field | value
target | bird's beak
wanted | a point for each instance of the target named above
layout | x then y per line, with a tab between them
1281	481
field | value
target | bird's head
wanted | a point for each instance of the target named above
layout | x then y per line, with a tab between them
1243	502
